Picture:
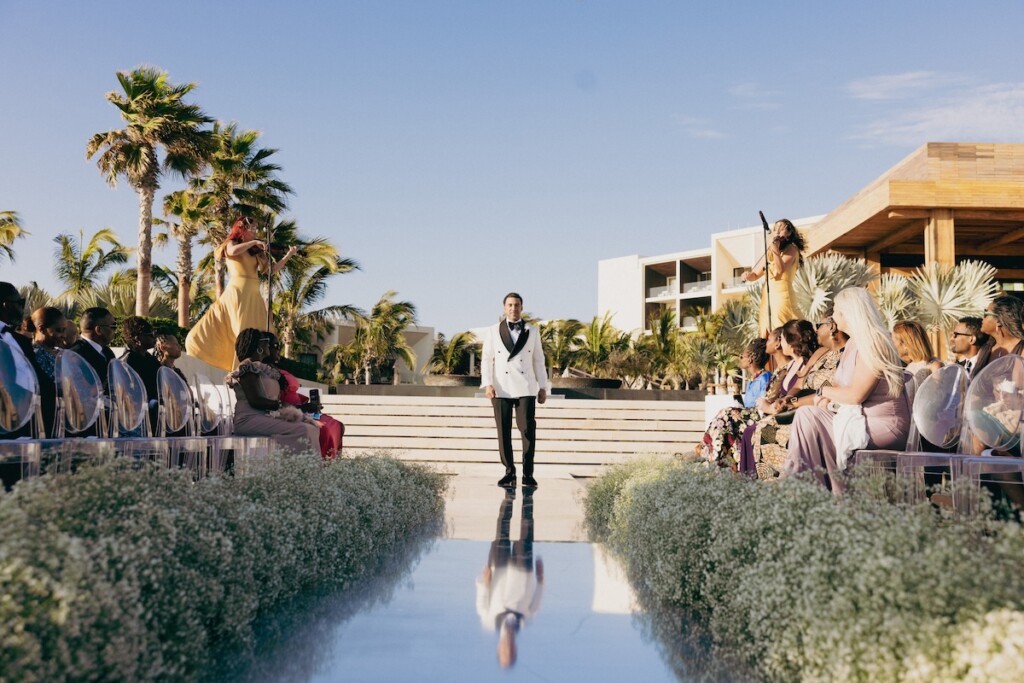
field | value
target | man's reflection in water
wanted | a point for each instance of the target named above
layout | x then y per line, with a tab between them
508	592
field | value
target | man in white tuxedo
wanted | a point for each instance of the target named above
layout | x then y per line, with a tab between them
514	376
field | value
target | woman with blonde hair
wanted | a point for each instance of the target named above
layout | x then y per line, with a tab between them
867	394
915	349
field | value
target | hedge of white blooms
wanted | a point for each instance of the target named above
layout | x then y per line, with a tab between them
121	574
791	583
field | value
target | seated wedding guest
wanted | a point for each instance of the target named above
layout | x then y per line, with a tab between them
27	373
49	324
1004	322
721	442
915	349
70	334
168	351
867	399
27	328
97	331
331	430
258	408
967	341
767	441
139	338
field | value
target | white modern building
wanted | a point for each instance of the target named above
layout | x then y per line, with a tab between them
635	288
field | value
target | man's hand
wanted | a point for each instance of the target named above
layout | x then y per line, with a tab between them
542	395
489	391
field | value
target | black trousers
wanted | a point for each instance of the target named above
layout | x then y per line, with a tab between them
526	410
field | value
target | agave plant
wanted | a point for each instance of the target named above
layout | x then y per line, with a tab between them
823	276
943	295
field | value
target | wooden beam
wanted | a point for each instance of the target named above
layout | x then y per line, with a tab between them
897	237
988	215
940	239
1009	237
910	214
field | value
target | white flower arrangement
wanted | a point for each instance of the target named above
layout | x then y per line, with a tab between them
790	583
115	573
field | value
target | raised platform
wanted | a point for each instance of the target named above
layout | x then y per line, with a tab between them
582	435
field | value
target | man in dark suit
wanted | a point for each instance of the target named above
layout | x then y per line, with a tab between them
970	345
97	327
140	339
28	374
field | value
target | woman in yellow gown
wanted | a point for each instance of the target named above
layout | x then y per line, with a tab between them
241	305
785	255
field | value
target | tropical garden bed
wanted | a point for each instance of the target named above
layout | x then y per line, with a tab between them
785	582
116	573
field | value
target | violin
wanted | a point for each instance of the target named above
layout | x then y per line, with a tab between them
277	250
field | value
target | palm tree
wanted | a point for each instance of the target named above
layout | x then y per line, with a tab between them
10	230
186	213
380	336
597	342
157	119
451	354
37	297
560	341
340	361
242	181
302	285
117	294
79	264
199	298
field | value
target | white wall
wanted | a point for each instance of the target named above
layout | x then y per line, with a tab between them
620	291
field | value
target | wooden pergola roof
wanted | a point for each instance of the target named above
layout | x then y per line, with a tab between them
945	201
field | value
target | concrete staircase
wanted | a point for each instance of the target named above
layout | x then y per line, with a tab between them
576	435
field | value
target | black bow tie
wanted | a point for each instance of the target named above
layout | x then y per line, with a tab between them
518	325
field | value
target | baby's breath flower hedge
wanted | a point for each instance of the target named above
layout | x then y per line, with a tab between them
793	584
115	574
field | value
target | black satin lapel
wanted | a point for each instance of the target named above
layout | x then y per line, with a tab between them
506	336
523	336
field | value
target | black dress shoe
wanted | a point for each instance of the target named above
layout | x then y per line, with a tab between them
507	480
529	481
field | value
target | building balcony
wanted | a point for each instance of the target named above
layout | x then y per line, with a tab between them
661	292
696	287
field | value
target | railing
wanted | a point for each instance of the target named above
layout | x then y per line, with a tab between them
702	286
658	292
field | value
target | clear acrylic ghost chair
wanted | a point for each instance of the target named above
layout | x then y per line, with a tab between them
189	452
80	400
19	397
175	403
19	459
938	417
209	405
66	455
129	409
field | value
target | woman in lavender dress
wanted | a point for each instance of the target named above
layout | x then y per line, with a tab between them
870	375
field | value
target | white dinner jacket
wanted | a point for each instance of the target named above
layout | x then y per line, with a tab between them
513	376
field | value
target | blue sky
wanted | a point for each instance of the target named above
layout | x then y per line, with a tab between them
459	150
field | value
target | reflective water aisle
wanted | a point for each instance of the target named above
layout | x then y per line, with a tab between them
510	593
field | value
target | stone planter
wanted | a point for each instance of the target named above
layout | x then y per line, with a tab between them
451	381
585	383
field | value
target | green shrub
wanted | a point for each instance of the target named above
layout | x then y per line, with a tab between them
121	574
803	586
